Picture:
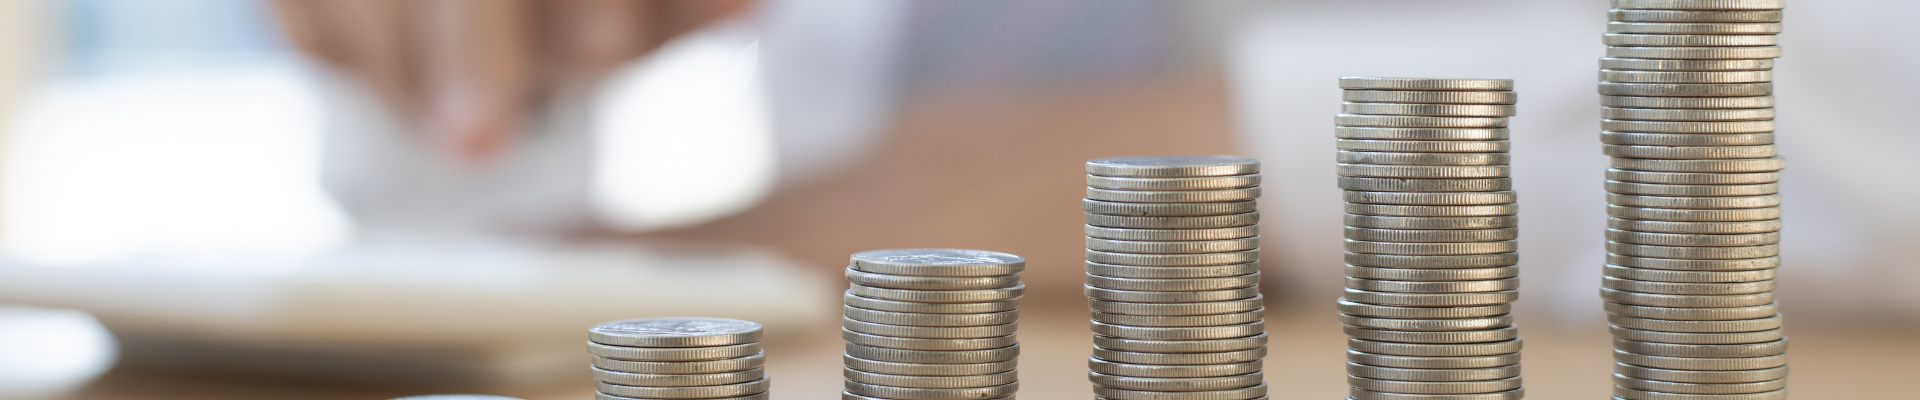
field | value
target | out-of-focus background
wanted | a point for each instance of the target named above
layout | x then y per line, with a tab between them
363	199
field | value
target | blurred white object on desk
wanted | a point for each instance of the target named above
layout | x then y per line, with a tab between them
44	352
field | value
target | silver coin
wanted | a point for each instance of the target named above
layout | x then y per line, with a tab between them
1173	196
1659	65
1686	139
1167	209
1693	16
1370	310
916	319
1176	309
1209	271
1180	346
1656	275
1692	178
1754	165
927	344
1430	199
1692	314
1696	338
676	380
1665	40
1224	357
1423	171
1661	325
1636	394
1682	90
930	382
1178	333
938	262
1431	249
1172	234
1685	301
896	368
1431	274
1173	260
1174	285
1432	211
1688	102
1654	189
908	393
1693	239
755	396
934	357
1359	394
1391	158
1694	53
1429	96
1432	235
1683	114
1402	121
1374	133
1378	83
1496	285
1693	253
1726	202
1690	152
1685	126
1435	350
1671	375
1411	362
1456	387
869	279
1206	222
683	367
940	296
1700	363
1433	374
1427	325
1173	247
1424	146
928	308
1686	215
1430	110
675	332
1753	28
1702	350
1096	364
1700	4
1425	185
1431	299
630	353
1173	166
1205	183
1134	296
1176	384
1708	389
1427	223
928	332
692	392
1249	393
1468	261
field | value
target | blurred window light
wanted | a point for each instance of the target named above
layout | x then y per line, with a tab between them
48	351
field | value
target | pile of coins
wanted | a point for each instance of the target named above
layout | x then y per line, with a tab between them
1173	273
678	358
1430	239
932	324
1693	227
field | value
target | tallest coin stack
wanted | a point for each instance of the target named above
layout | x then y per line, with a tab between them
1431	228
1693	227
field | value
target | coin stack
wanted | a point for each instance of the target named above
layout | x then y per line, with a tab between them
932	324
1430	239
678	358
1693	212
1173	268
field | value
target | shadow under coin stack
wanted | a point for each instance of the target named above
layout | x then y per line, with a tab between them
678	358
932	324
1173	273
1693	212
1430	238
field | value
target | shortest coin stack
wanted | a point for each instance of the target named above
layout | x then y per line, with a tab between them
678	358
932	324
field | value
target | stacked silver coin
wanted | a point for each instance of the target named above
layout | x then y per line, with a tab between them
1693	211
1173	273
1431	223
678	358
932	324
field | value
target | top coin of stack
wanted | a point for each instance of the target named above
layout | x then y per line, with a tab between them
932	324
1693	210
678	358
1172	278
1431	229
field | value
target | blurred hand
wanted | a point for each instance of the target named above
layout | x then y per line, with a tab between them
467	73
